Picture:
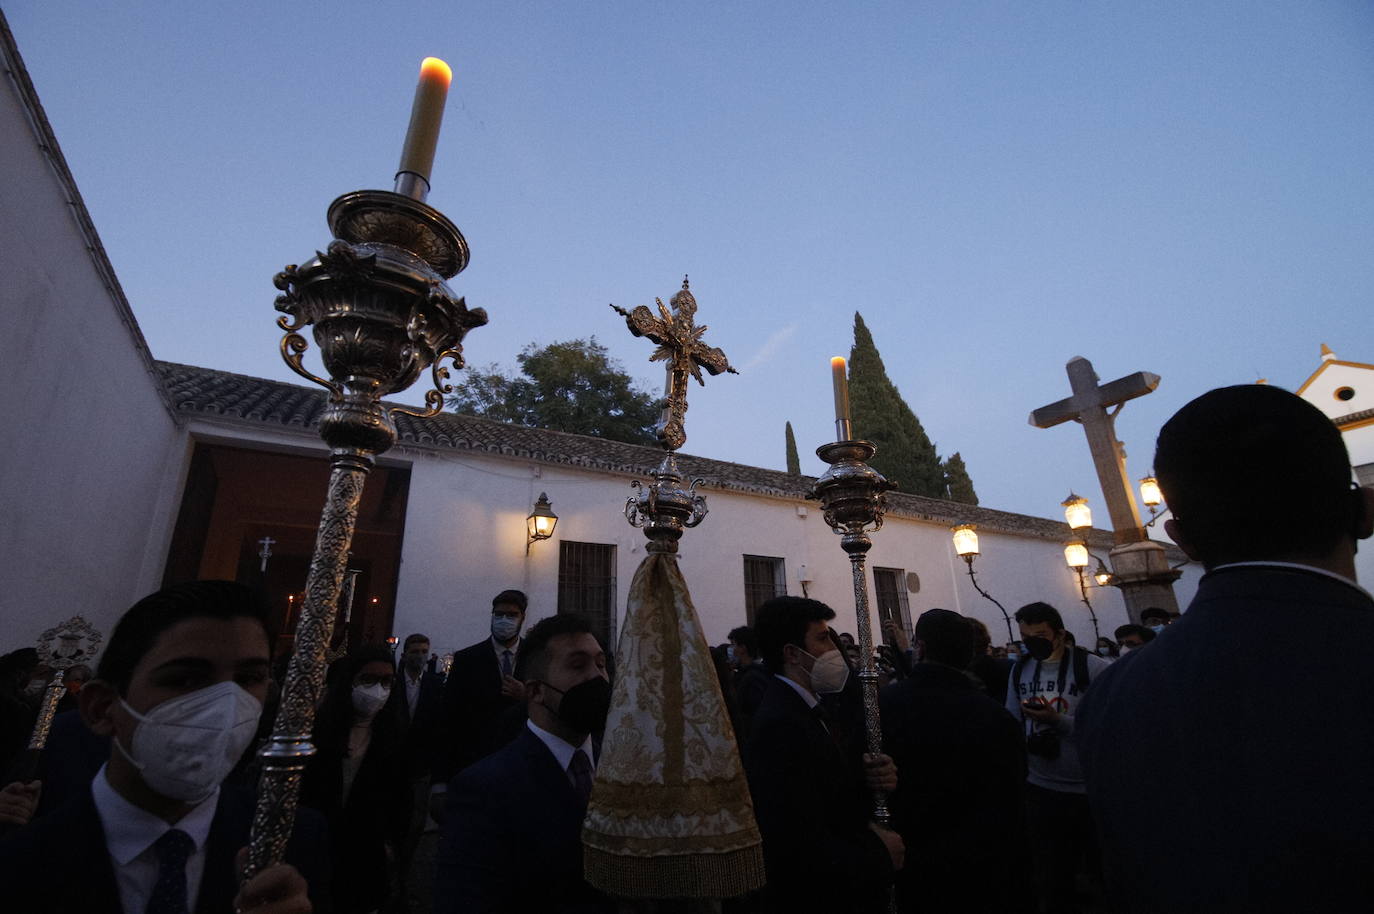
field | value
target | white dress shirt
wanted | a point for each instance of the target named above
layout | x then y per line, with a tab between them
562	749
1299	567
501	649
131	832
806	694
412	690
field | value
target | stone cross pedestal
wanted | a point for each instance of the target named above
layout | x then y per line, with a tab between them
1141	566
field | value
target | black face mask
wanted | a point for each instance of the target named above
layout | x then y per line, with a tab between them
1039	648
584	707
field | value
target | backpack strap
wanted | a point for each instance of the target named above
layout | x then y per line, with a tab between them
1081	676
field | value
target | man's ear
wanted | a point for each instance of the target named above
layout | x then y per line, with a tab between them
96	702
1175	533
1364	512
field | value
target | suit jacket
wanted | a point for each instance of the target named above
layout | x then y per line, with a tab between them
420	740
59	864
512	837
376	813
961	763
1230	762
812	809
472	706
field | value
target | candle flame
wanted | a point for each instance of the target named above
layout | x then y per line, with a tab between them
837	361
435	69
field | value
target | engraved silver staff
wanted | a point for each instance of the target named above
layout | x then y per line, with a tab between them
381	314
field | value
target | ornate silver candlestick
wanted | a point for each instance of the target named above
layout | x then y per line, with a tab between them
853	499
381	314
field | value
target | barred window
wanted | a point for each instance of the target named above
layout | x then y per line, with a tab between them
764	579
586	585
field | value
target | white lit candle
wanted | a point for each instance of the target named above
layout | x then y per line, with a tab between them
422	137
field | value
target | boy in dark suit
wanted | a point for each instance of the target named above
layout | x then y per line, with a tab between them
809	789
179	691
523	806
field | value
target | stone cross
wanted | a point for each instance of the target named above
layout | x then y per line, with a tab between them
1088	406
266	543
680	345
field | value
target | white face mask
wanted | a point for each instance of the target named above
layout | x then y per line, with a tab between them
504	628
829	673
187	745
368	700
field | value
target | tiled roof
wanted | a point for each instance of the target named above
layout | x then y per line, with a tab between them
257	401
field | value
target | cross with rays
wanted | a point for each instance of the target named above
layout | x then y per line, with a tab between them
680	345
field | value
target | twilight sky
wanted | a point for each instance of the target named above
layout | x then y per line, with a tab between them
1179	187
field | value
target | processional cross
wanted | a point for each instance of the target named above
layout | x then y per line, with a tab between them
680	345
1088	406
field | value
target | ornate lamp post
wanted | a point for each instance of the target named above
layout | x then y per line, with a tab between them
1076	557
966	547
380	313
853	499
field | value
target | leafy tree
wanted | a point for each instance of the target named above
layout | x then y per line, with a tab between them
793	461
905	455
570	386
957	482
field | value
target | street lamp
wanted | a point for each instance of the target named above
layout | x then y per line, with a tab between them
1103	576
1077	512
1076	557
1152	497
540	522
966	546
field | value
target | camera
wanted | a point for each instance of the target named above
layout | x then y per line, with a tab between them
1044	743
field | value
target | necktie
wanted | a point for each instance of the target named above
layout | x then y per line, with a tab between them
580	770
174	848
505	663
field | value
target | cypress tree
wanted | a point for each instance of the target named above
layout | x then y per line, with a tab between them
793	461
905	455
957	481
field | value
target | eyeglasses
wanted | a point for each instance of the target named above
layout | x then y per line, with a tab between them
370	679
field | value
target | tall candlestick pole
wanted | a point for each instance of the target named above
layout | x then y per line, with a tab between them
841	381
853	500
422	136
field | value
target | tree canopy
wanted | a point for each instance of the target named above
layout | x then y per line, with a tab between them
905	454
569	386
957	481
793	460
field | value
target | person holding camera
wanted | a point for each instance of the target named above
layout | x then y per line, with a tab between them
1043	692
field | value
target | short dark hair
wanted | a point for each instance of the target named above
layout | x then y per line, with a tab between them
982	638
784	620
947	636
745	637
512	598
1140	631
1037	612
1221	449
416	638
1154	612
139	628
534	650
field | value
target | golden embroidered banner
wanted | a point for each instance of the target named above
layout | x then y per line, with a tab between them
670	814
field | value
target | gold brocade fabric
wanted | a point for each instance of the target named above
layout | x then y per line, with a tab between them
670	814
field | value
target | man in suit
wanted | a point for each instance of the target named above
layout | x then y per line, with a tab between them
751	677
481	689
811	795
963	765
420	695
512	834
1242	738
179	689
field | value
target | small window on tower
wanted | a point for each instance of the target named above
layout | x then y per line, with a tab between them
1345	393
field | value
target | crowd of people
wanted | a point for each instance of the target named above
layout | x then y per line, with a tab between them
1213	761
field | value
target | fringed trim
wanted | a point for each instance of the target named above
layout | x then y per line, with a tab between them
726	875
